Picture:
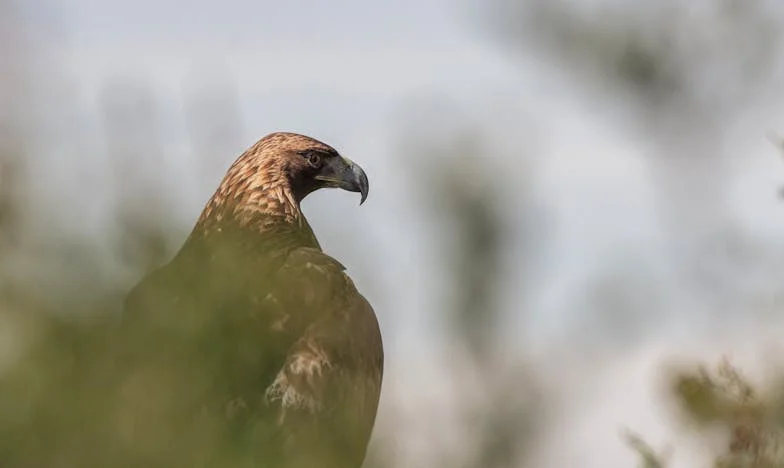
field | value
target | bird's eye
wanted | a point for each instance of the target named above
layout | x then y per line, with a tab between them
314	159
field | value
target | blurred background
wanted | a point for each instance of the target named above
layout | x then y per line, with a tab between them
574	205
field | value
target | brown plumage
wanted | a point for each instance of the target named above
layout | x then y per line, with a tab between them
293	350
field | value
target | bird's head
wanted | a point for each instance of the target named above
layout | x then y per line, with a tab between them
310	165
300	163
276	173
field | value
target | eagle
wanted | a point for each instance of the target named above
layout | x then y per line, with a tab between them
283	349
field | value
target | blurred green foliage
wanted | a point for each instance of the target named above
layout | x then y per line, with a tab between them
722	399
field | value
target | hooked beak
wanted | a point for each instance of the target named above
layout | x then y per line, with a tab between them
345	174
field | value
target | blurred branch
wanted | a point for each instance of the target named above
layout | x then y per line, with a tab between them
649	458
214	124
11	193
724	398
477	234
14	114
134	141
673	56
465	198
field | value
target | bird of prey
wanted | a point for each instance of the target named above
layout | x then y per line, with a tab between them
291	350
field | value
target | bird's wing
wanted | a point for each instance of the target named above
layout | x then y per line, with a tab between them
304	333
325	394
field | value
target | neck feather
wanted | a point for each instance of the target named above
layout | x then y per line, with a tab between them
249	194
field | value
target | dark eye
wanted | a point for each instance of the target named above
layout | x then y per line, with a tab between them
313	157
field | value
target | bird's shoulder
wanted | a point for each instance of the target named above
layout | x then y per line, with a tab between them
339	344
311	277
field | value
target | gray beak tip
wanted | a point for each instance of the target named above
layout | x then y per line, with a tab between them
361	182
